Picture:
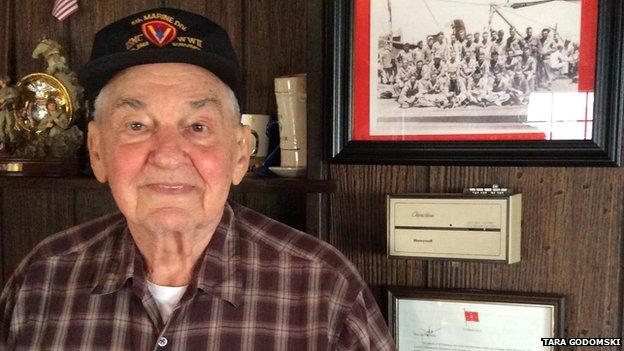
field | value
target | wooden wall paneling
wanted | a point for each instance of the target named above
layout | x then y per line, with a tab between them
34	20
92	203
358	221
283	207
316	104
317	205
274	44
236	196
93	16
571	240
30	215
227	13
6	38
197	6
274	41
317	215
3	251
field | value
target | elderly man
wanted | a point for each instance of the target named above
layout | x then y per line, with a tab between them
180	268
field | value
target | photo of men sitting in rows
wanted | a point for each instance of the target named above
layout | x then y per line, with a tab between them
492	68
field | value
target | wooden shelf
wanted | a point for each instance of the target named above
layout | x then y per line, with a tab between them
249	184
291	185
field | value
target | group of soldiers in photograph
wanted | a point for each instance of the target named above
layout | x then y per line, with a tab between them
482	69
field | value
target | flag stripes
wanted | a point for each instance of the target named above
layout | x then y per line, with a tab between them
64	8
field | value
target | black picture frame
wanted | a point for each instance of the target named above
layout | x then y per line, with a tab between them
558	302
604	150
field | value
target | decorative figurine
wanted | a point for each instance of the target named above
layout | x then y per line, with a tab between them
37	116
50	50
7	95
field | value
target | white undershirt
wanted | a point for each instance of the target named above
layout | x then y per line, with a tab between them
166	297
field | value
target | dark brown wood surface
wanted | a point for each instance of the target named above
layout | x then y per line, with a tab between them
33	21
6	38
275	45
30	216
572	221
358	221
91	17
226	13
571	235
317	205
571	239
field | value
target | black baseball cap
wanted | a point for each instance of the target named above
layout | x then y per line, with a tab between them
157	36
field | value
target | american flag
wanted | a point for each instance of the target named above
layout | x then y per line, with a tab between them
64	8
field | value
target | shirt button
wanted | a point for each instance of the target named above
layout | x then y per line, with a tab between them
162	342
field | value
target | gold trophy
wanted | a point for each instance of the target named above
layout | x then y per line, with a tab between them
37	134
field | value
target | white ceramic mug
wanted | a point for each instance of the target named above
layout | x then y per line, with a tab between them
290	94
259	143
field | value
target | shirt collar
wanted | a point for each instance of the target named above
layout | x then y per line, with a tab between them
217	273
120	265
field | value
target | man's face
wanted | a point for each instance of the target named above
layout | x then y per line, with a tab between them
168	142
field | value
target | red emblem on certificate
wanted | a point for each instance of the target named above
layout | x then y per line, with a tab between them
471	316
159	33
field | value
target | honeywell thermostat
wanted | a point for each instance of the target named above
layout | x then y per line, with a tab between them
482	226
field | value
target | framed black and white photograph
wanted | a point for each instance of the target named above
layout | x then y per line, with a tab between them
424	319
476	82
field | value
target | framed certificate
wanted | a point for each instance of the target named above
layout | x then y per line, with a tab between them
473	320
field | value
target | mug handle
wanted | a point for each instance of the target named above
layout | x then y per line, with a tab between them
254	134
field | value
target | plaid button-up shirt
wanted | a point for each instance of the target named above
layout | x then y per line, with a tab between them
260	285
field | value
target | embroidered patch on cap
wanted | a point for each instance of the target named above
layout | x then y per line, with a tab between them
161	30
159	33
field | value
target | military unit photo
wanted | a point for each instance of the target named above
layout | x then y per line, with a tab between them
484	69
